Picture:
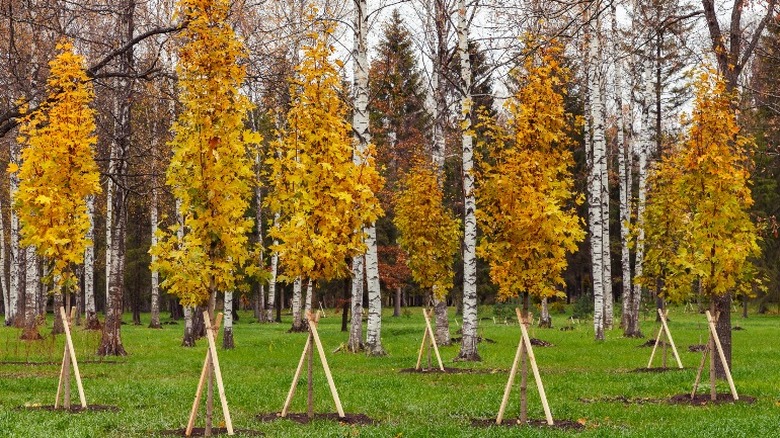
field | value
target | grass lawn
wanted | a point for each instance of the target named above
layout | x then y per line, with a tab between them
154	386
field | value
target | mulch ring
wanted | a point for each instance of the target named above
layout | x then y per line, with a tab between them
20	362
621	399
542	424
651	343
697	348
359	419
215	431
74	409
453	371
479	339
656	370
704	399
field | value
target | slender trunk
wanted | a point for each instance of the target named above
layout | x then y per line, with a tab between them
397	302
723	329
272	281
59	327
309	301
227	332
355	343
594	187
155	317
297	320
468	346
374	323
8	306
599	136
17	299
189	333
260	309
545	320
32	283
90	310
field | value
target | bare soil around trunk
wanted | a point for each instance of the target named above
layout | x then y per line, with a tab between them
358	419
533	423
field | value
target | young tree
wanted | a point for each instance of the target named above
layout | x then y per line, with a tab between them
323	197
697	225
429	233
58	171
211	170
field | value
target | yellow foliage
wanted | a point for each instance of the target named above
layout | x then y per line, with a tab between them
525	200
429	233
58	169
210	172
323	191
696	221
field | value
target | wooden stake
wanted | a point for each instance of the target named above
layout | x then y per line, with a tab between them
72	353
62	378
663	316
433	339
218	373
509	382
655	346
422	349
310	382
297	376
535	369
203	373
324	360
699	371
714	334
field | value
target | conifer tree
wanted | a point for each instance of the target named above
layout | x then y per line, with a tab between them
210	173
58	172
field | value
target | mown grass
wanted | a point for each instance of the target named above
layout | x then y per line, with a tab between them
154	385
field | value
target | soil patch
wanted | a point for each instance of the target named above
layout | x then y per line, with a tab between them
11	362
566	328
540	343
697	348
453	371
74	409
737	328
656	370
621	399
479	339
360	419
651	343
704	399
511	422
215	431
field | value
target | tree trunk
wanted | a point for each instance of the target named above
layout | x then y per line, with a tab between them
227	332
272	281
259	308
595	191
355	343
297	319
90	310
189	333
599	136
545	320
374	323
155	317
468	346
59	327
723	329
442	330
31	285
16	293
8	306
308	310
397	302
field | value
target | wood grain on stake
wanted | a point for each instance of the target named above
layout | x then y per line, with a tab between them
72	352
316	336
669	336
297	376
218	373
433	339
530	351
201	382
714	335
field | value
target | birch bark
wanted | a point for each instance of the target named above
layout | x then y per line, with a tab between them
468	347
260	307
227	332
31	286
297	320
17	302
155	317
8	306
269	316
90	311
355	342
609	298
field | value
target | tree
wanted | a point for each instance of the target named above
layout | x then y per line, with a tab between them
323	197
211	170
698	229
58	171
429	233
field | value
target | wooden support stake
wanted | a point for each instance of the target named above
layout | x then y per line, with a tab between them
203	374
509	382
663	316
433	339
297	376
62	378
324	360
699	371
422	349
535	369
714	334
655	346
218	373
72	352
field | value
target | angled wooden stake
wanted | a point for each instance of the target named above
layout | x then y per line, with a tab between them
324	360
429	330
201	382
69	357
714	334
664	329
297	376
525	341
422	349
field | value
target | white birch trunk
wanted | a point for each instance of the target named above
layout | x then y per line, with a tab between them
259	221
227	319
90	311
272	281
109	221
7	304
32	288
374	323
297	322
544	317
355	343
155	317
594	188
468	347
16	296
609	298
309	300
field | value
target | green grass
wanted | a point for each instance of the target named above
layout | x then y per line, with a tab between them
154	385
